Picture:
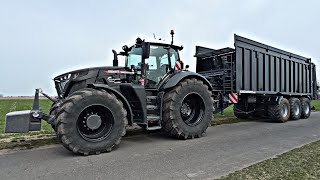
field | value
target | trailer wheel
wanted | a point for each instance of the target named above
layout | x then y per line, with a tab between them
295	108
238	111
187	109
91	121
280	112
306	108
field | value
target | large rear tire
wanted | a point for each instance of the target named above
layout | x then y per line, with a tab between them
280	112
187	109
295	108
91	121
306	108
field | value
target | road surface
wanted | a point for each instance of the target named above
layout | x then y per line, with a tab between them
224	149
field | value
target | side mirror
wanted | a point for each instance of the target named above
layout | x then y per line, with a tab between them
145	50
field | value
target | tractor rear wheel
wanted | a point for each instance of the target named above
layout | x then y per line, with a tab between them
280	112
306	108
91	121
187	109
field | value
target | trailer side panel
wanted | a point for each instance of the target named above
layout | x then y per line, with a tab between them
267	70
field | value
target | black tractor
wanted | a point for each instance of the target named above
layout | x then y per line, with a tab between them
95	105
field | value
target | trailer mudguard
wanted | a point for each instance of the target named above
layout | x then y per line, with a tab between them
175	79
119	95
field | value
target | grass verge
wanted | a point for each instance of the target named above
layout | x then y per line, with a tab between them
316	105
27	142
300	163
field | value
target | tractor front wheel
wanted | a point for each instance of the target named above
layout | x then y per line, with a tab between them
91	121
53	111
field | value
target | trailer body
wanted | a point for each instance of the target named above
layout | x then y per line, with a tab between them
255	73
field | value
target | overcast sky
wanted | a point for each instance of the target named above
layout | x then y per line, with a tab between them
41	39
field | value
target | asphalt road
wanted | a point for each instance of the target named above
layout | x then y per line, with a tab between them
224	149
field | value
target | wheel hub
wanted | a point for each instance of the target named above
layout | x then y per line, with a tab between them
296	109
306	109
284	110
185	109
93	122
192	109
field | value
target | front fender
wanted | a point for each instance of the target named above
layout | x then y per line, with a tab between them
175	79
119	95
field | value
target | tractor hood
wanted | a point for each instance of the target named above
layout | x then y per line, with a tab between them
86	70
73	80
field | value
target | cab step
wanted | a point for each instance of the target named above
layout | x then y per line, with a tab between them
153	128
153	118
153	122
152	107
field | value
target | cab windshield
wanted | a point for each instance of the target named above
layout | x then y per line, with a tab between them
134	58
156	66
158	57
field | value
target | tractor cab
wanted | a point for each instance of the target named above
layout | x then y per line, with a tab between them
153	61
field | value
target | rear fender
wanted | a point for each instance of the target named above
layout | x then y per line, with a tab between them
175	79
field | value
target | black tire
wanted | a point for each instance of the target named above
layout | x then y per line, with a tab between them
295	108
238	111
53	111
91	121
187	109
305	108
280	112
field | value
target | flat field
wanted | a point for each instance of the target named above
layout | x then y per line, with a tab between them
9	105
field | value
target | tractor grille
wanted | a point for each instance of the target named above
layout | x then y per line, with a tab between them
61	82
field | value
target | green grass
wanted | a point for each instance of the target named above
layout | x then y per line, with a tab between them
300	163
228	112
316	105
28	144
9	105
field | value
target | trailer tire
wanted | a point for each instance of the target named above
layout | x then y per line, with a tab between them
91	121
236	111
280	112
187	109
295	108
306	108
